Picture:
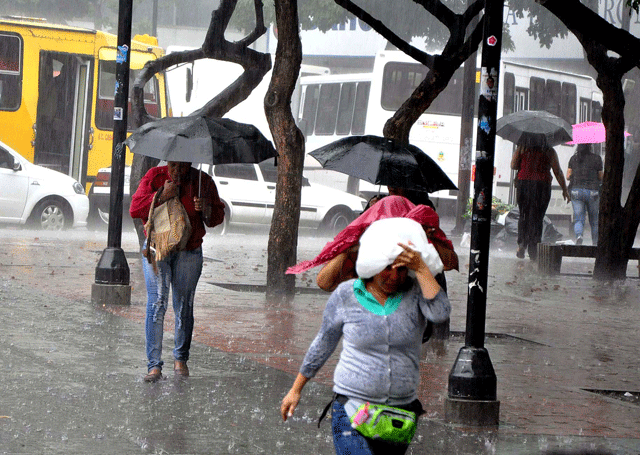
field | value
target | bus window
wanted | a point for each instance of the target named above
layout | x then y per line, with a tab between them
106	90
536	94
327	109
345	108
399	81
553	97
509	84
10	72
311	96
569	98
360	110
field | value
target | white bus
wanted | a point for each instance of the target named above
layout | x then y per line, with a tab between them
574	97
335	106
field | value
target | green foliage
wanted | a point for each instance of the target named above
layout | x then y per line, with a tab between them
497	208
543	26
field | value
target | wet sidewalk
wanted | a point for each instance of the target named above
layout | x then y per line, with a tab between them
564	349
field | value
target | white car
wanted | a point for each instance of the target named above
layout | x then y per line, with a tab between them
37	196
249	192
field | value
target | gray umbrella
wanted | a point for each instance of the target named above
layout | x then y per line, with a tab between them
199	139
536	127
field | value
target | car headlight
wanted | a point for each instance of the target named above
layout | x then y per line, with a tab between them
78	188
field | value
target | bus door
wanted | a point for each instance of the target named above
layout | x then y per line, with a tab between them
62	115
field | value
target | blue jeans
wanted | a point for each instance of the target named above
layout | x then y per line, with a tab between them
348	441
180	271
585	201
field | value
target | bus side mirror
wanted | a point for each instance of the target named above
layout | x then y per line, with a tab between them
189	89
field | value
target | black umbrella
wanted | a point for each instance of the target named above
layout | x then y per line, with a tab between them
383	161
200	139
538	128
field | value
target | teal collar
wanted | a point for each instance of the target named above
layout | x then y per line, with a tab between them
369	302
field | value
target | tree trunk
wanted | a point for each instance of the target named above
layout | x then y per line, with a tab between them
611	258
289	142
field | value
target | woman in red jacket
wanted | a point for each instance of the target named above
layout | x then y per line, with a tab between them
180	270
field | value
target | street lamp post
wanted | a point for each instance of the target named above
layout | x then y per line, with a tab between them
112	272
472	382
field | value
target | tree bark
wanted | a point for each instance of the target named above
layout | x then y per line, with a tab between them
617	227
611	262
289	142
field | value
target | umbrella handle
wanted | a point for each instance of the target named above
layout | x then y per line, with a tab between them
200	180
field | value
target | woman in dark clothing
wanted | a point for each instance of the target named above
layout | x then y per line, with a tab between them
584	175
534	165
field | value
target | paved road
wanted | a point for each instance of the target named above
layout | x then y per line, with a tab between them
71	372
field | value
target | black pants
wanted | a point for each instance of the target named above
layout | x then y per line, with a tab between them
533	200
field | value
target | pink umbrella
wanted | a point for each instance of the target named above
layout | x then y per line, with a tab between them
589	133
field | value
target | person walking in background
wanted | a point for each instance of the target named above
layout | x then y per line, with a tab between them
381	317
534	164
585	175
180	270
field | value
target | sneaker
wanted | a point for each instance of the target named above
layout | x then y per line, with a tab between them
520	252
579	240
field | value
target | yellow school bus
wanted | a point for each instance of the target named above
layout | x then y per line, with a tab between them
57	86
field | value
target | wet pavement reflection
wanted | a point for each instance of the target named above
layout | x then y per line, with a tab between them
71	372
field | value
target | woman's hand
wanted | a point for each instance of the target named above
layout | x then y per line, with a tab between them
169	190
410	259
289	404
198	203
291	399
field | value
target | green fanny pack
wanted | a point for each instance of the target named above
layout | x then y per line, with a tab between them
378	421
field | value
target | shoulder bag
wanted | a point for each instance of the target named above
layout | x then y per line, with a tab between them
168	229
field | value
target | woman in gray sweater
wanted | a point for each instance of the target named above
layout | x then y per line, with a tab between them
381	319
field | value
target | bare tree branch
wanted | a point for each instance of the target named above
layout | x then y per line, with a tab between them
215	46
439	10
418	55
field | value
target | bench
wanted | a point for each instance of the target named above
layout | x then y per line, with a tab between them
550	255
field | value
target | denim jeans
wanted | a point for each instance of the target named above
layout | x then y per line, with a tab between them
585	201
348	441
180	271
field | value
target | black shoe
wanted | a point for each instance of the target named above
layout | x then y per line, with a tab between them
520	252
579	240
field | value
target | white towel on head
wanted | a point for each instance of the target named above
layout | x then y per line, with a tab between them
379	246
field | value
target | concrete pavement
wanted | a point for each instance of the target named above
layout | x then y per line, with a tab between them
564	349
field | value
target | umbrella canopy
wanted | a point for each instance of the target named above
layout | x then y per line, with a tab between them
590	133
383	161
200	139
538	128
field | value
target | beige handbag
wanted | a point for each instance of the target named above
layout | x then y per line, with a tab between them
168	229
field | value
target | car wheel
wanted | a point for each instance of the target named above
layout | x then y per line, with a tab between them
50	215
336	220
223	227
